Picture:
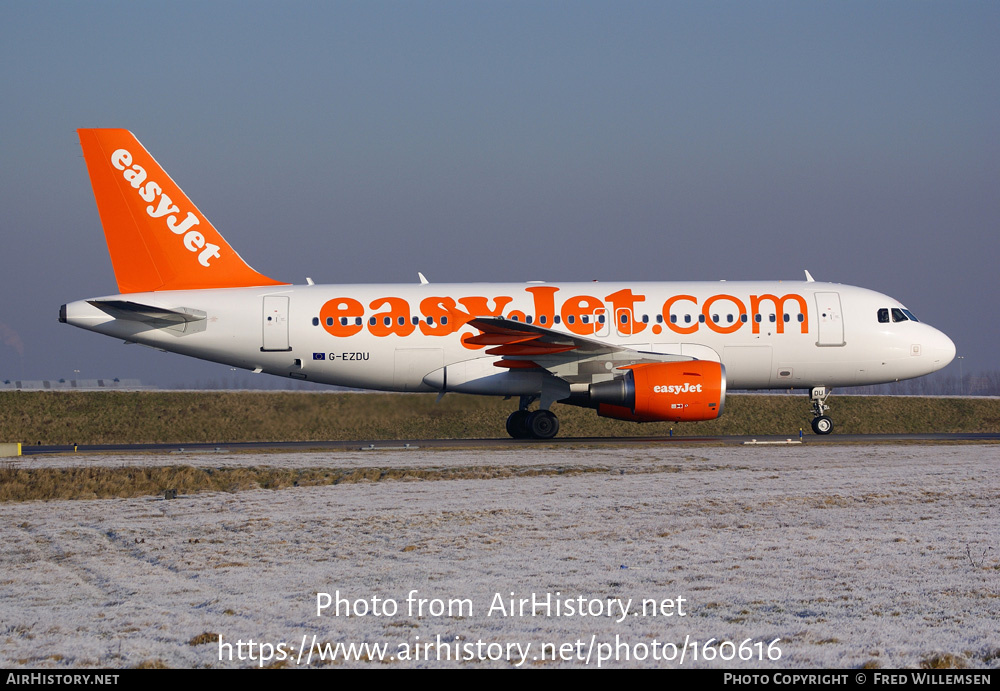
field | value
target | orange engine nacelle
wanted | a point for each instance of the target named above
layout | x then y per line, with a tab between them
661	391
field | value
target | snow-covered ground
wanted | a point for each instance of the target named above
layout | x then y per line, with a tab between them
827	556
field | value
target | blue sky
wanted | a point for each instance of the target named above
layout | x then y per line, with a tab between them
510	141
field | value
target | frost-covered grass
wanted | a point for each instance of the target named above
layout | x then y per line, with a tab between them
859	555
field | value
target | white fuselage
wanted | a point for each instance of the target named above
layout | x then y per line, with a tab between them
768	334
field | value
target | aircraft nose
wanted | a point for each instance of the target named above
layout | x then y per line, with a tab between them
940	349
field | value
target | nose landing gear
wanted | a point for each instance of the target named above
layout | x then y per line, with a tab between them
822	423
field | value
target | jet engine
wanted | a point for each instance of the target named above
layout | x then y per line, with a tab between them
661	391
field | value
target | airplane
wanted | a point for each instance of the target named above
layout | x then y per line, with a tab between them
639	351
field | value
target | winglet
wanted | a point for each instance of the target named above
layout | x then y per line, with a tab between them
157	238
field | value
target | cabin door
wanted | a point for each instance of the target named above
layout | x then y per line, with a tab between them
275	324
830	320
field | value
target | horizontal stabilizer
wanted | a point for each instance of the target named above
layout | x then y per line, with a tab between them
157	317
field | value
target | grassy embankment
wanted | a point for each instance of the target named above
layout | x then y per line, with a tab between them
181	417
30	484
189	417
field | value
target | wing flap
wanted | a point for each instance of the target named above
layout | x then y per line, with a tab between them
572	358
496	327
515	364
489	339
529	348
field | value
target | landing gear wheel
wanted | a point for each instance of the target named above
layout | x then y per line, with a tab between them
822	425
543	424
517	424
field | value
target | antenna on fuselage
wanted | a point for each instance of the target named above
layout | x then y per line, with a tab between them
809	278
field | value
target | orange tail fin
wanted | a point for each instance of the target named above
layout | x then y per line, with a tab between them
158	239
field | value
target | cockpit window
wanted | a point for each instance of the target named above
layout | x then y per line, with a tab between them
898	315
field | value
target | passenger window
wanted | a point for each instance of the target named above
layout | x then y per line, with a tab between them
343	321
542	319
315	321
373	321
570	319
787	318
444	320
329	321
557	319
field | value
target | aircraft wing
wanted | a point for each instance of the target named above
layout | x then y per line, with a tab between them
572	358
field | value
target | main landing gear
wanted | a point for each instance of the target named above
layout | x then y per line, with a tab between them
821	424
528	424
